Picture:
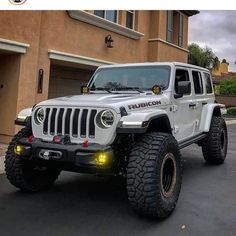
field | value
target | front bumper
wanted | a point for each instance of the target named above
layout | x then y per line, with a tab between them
72	157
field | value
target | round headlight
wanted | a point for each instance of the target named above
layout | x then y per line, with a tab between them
39	116
106	119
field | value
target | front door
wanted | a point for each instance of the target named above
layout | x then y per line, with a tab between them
183	108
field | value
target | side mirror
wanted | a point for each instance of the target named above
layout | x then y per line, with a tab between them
183	87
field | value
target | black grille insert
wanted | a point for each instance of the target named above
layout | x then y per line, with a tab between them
83	123
92	124
75	123
45	124
67	121
59	123
52	123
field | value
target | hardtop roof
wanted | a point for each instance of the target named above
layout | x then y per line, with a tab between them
176	64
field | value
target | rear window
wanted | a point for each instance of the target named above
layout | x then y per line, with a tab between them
197	81
208	83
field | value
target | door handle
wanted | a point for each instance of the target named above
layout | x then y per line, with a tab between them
204	103
192	105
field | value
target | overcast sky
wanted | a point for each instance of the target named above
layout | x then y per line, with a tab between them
216	29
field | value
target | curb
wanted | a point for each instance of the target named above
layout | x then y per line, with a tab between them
230	122
2	159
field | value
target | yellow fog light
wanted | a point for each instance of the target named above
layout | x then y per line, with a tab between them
18	149
102	158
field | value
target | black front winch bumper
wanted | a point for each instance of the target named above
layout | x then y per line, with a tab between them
73	157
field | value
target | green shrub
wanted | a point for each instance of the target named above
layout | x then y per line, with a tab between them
231	111
228	86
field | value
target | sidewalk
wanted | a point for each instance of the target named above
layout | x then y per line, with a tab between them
230	121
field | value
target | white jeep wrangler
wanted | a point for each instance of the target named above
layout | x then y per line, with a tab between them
132	121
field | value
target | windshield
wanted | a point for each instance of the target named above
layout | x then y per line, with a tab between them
135	77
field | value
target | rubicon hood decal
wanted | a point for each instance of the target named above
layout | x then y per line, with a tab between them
144	104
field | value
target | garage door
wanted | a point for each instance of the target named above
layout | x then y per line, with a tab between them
66	81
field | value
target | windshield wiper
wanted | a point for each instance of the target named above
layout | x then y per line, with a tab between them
100	89
130	88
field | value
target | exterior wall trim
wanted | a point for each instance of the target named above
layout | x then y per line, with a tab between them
171	44
78	59
13	46
105	24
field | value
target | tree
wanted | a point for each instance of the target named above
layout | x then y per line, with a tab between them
228	86
203	57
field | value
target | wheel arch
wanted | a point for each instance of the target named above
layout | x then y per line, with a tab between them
208	112
155	121
160	123
24	117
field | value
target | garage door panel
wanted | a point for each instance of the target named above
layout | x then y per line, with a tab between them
66	81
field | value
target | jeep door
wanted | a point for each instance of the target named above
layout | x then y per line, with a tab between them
183	111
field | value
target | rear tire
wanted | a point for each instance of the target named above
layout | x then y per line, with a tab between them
154	175
214	146
24	174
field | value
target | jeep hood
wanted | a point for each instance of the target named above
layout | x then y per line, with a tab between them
114	101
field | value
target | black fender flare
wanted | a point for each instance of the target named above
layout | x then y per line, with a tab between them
146	126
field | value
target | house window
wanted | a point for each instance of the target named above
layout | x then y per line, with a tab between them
100	13
180	33
130	19
108	15
170	26
197	81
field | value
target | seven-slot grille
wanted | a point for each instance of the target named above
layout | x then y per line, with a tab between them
70	121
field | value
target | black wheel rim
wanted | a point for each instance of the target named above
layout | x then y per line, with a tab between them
168	175
223	140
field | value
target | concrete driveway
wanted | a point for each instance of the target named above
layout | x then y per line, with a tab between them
86	205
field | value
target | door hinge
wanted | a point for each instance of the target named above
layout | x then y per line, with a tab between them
175	108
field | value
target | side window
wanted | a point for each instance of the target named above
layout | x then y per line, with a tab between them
181	75
197	81
208	83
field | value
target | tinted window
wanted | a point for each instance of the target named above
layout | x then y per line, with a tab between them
181	26
130	19
170	24
143	77
99	13
208	83
109	14
180	75
197	81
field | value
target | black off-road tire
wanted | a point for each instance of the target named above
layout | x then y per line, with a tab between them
214	146
23	174
147	175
